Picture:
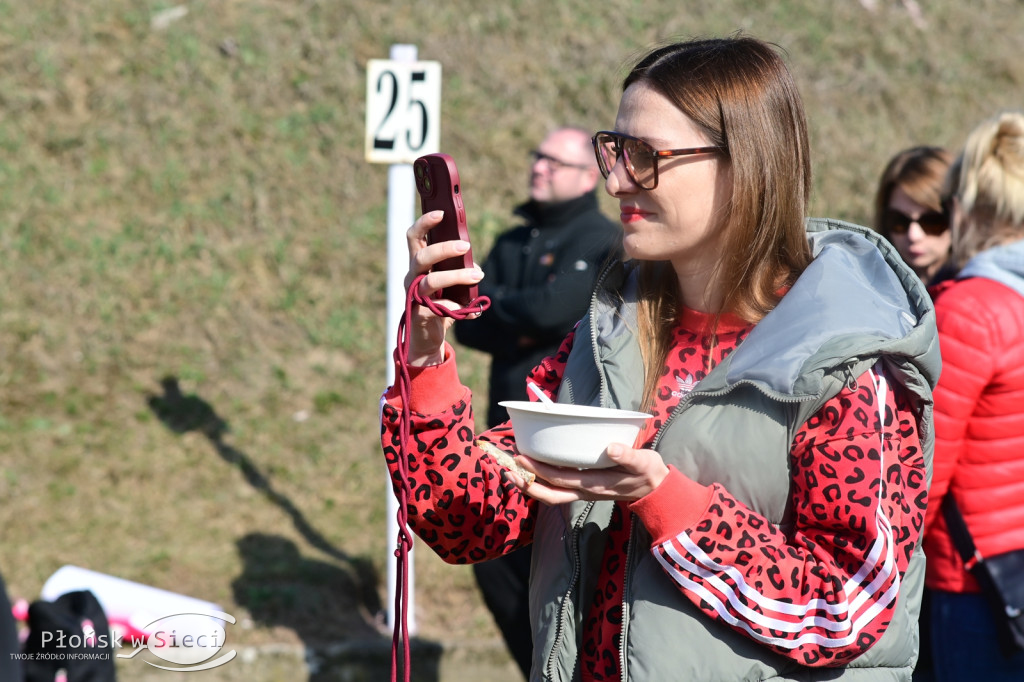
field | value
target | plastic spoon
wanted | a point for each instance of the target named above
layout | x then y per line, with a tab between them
539	393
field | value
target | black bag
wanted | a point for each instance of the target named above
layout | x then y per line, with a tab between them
1001	578
70	634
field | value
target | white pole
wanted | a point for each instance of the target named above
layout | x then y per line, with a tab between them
401	196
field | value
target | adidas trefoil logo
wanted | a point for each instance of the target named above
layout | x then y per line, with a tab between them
685	385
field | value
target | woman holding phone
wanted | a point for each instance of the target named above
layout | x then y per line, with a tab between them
766	523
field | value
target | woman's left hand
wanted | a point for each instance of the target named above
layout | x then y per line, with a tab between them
635	474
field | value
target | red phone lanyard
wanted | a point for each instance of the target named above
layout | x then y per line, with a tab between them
405	540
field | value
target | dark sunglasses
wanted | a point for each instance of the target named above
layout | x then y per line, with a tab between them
639	158
932	223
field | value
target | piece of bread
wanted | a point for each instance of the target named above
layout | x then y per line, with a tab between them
506	460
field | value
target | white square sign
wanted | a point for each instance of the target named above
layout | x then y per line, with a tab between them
403	110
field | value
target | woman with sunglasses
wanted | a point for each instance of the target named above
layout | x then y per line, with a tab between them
764	525
979	402
910	211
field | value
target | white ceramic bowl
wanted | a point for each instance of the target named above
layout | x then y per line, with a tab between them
571	435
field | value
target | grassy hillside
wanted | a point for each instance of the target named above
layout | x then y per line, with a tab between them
193	284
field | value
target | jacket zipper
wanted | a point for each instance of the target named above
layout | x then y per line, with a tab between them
688	398
603	390
577	527
623	674
566	598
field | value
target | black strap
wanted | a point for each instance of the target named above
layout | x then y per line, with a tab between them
998	579
958	531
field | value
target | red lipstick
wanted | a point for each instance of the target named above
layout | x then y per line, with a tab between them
630	214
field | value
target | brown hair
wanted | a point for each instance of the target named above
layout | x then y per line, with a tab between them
738	91
919	172
988	181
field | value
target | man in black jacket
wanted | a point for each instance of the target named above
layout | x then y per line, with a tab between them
539	277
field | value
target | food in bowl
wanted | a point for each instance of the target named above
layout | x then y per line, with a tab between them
571	435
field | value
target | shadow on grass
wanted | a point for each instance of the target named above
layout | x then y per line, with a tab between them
334	609
316	599
184	413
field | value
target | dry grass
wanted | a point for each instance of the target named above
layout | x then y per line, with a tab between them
192	202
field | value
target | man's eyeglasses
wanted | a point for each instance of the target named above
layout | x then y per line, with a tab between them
553	163
932	223
639	158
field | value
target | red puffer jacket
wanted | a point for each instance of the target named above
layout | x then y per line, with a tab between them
979	426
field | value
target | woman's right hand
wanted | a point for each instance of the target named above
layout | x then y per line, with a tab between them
426	330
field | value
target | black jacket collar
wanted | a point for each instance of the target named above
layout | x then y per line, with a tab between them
558	213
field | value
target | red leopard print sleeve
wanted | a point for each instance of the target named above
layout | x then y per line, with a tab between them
460	505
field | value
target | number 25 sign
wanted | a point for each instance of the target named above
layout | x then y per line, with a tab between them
403	110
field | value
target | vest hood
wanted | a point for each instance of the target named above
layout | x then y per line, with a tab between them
857	297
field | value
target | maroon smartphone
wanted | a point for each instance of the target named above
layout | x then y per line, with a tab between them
437	181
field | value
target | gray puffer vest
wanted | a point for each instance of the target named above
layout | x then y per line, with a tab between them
856	304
